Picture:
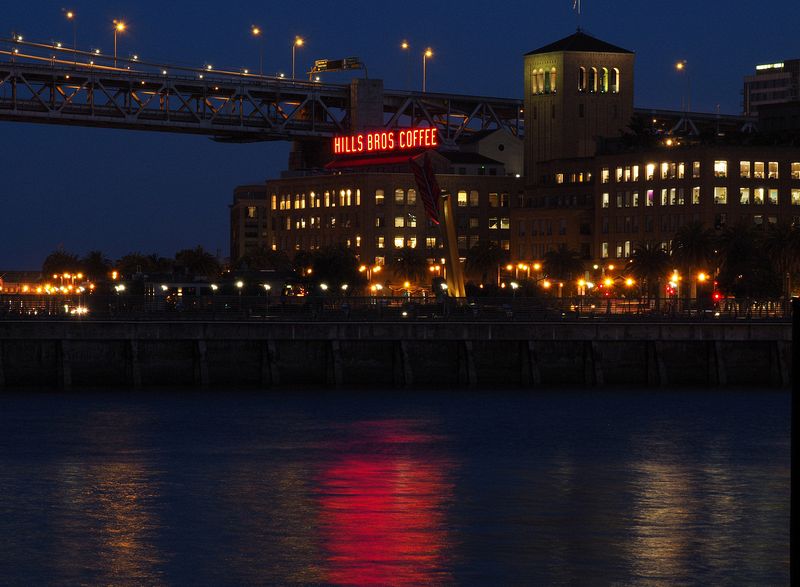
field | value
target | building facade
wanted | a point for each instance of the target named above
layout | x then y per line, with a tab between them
772	83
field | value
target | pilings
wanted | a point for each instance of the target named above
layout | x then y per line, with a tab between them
403	355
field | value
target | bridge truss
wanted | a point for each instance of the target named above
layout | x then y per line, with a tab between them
49	84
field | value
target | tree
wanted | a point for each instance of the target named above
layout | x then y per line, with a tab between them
60	262
745	267
96	265
781	243
649	264
484	257
693	250
410	265
198	261
336	266
262	259
563	263
134	263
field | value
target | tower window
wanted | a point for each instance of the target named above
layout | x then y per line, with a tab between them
582	79
593	80
614	80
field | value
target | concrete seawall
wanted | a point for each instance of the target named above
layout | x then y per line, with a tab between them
401	354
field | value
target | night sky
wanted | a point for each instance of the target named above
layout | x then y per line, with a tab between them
124	191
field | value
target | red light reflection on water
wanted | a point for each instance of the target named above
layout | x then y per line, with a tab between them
383	509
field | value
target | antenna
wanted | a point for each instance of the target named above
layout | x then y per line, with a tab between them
576	6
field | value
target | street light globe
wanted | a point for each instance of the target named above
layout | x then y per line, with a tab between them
323	286
404	45
376	269
298	41
344	287
119	25
70	15
406	284
443	286
701	277
428	52
514	285
240	284
267	286
255	30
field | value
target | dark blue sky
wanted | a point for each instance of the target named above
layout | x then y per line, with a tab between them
123	191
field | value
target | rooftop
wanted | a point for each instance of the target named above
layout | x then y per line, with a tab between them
580	42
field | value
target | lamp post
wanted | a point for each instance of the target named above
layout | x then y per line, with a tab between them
428	53
298	42
70	16
405	46
119	27
681	67
256	32
239	286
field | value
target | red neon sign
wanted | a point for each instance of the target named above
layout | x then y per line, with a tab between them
386	141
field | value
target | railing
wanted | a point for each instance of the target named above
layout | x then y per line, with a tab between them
266	308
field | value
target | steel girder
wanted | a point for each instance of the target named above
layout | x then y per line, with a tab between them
231	108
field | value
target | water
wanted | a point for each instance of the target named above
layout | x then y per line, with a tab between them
360	488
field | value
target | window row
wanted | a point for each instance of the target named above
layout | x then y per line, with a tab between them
757	169
669	197
544	82
326	199
756	196
574	177
666	170
599	81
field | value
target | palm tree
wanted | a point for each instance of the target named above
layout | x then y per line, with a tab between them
198	261
96	265
484	257
693	250
563	263
781	243
410	265
134	263
649	264
60	262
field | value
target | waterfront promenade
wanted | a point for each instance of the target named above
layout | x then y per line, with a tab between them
423	346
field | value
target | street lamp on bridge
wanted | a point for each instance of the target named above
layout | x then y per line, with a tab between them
257	33
119	27
425	56
298	42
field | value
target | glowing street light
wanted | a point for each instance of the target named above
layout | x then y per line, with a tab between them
70	16
323	286
405	46
298	42
681	67
425	56
256	32
119	27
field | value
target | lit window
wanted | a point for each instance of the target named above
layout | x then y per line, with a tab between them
664	196
252	212
773	170
744	196
411	242
604	81
593	80
773	196
273	202
635	174
412	197
412	220
758	170
696	195
358	241
604	175
494	200
379	197
744	169
615	82
720	195
651	198
795	197
462	199
559	178
681	170
758	196
635	199
553	84
399	197
582	79
358	197
664	170
493	224
399	221
618	174
604	250
721	168
505	223
399	242
695	169
796	170
473	198
327	199
430	242
650	171
474	222
380	242
606	200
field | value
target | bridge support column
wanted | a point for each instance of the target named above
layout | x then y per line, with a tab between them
402	375
133	367
201	364
783	358
466	365
531	372
717	374
64	364
334	376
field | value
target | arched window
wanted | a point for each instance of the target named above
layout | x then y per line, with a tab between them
553	77
546	82
593	80
604	81
615	80
582	79
540	76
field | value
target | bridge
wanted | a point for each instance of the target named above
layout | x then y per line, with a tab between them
49	83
